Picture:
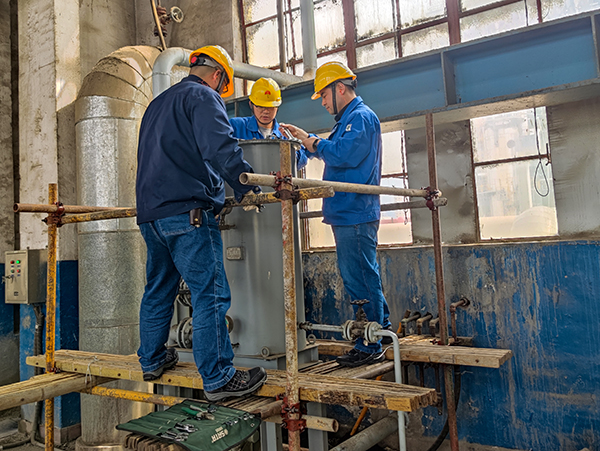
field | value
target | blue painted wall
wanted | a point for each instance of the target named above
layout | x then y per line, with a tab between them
539	300
67	326
9	339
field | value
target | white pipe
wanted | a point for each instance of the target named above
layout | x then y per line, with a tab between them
398	377
177	56
161	72
309	44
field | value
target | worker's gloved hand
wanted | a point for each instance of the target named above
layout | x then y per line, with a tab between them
256	208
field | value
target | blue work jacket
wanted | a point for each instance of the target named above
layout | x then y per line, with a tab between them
352	154
247	128
186	149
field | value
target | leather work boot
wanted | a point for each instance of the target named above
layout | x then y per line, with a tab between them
170	362
242	383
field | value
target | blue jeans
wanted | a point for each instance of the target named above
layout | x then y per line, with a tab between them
356	247
177	249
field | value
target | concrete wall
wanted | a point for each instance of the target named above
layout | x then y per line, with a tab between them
538	299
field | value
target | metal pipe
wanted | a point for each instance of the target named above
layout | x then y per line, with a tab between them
43	208
158	27
309	43
369	437
321	327
398	378
99	215
292	390
462	302
386	207
312	422
51	314
439	276
271	198
247	178
408	319
177	56
420	322
281	33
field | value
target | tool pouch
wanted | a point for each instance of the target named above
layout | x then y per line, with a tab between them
225	429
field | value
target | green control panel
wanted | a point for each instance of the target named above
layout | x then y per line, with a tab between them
25	276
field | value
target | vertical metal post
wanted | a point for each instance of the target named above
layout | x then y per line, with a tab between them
51	315
281	34
289	288
439	282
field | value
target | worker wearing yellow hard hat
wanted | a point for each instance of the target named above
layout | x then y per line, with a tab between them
264	101
186	151
352	153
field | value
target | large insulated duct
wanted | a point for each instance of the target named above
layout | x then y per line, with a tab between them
109	109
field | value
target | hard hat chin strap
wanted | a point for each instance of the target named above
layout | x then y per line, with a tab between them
335	110
221	80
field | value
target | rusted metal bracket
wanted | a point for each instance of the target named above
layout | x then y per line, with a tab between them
55	218
432	194
286	194
288	410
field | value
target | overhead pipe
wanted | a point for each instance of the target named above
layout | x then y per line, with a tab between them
177	56
386	207
309	43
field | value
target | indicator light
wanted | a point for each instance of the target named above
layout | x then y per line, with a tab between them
12	262
18	262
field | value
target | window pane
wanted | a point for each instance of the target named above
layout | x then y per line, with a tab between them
262	38
467	5
293	36
553	9
415	12
394	153
259	9
425	40
339	56
511	202
493	22
395	225
329	24
378	52
319	234
373	17
509	135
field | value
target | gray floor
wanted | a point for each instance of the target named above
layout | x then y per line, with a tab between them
10	435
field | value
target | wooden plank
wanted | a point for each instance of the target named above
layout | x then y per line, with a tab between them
419	348
320	388
45	386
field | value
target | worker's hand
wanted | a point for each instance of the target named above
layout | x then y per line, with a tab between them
296	132
256	208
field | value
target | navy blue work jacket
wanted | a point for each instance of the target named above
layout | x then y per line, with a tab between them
186	149
247	128
352	154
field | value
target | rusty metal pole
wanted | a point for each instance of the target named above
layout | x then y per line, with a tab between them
289	287
439	282
51	315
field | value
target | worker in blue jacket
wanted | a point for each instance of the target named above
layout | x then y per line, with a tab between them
264	100
186	151
351	153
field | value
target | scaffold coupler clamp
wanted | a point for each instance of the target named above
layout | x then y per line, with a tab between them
285	193
293	424
432	194
56	217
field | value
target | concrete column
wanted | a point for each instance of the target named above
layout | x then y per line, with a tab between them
49	79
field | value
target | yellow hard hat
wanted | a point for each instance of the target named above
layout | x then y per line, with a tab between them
328	73
220	55
265	93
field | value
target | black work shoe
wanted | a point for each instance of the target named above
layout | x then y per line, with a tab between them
387	340
357	358
170	362
242	383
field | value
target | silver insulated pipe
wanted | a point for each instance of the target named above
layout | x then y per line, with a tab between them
109	108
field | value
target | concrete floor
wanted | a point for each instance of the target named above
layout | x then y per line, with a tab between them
10	435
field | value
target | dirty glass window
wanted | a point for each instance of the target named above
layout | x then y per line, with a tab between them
377	52
424	40
513	175
329	24
263	44
373	18
416	12
259	9
555	9
494	21
395	225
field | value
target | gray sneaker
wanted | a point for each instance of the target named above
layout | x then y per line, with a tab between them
242	383
170	362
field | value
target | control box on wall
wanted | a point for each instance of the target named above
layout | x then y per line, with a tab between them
25	274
